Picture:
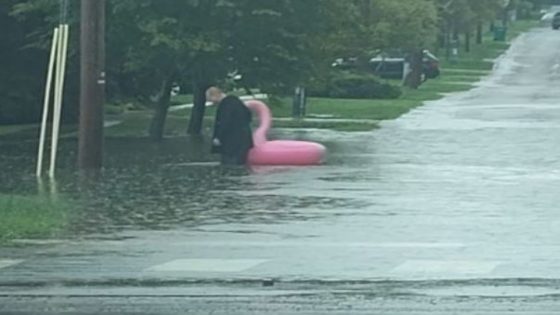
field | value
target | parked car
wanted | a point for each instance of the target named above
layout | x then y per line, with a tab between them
391	66
345	63
556	21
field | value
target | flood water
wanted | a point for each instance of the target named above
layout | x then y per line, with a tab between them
148	186
461	188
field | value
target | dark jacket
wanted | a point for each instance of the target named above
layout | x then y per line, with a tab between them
233	127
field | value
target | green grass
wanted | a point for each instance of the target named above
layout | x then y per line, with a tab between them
450	77
521	26
31	217
378	109
182	99
489	49
359	109
326	124
136	125
8	129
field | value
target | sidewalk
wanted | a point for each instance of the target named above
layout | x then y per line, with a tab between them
208	104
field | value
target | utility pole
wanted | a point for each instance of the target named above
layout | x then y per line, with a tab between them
92	84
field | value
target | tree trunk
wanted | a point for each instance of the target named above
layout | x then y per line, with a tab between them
157	125
468	41
441	38
414	78
455	32
479	33
366	7
199	107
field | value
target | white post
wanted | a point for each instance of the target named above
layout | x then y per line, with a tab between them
59	87
46	102
406	71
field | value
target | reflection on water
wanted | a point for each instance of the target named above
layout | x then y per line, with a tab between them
152	186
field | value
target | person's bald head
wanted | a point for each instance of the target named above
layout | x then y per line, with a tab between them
215	95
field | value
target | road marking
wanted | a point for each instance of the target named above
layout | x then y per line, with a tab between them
195	164
5	263
328	244
208	265
455	267
40	242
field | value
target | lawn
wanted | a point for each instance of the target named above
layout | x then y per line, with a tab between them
8	129
31	217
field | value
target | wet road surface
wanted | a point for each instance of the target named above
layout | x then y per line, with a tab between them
450	209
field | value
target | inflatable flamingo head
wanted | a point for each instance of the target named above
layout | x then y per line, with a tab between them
265	119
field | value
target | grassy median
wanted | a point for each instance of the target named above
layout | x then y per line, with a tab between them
31	217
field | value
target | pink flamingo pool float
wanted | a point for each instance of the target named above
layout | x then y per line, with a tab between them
280	152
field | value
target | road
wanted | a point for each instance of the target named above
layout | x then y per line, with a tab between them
451	209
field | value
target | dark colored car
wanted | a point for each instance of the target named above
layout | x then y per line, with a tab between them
389	66
346	63
556	21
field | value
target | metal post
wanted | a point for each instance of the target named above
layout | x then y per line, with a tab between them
92	84
299	102
295	106
406	71
46	101
303	102
58	93
454	51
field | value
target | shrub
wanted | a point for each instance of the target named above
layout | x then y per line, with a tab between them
355	86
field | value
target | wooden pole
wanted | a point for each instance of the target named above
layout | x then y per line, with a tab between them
92	84
46	101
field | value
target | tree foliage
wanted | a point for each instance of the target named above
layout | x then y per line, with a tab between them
274	44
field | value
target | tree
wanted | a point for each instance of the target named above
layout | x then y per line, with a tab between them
484	11
17	103
366	26
270	43
274	45
465	17
26	40
167	40
410	25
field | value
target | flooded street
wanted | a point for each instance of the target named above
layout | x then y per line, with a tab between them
453	206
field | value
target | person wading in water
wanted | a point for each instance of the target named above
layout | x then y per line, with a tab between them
232	137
